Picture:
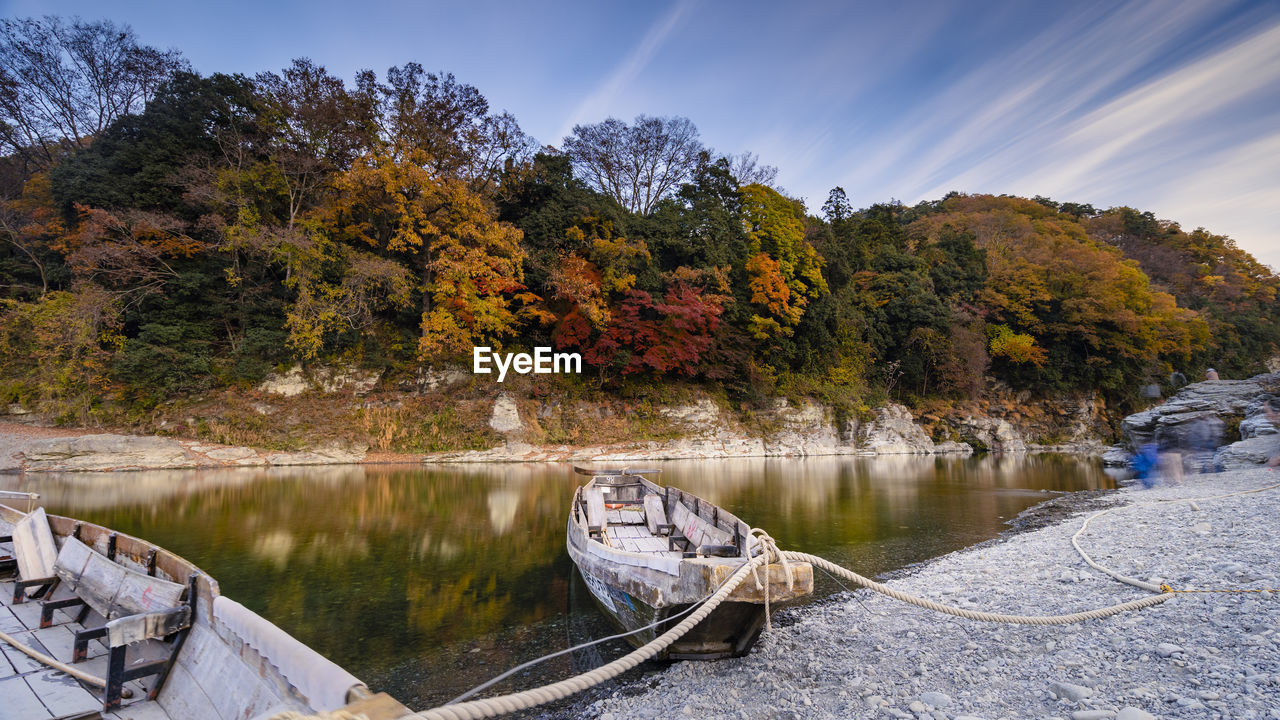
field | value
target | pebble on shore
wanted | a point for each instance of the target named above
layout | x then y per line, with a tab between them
1197	656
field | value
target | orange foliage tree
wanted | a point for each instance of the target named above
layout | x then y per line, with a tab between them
469	264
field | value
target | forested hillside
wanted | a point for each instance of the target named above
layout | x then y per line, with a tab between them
168	234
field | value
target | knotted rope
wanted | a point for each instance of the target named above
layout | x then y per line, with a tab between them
769	550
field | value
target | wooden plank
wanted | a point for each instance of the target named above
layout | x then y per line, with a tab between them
7	669
61	694
20	661
595	508
110	588
34	547
58	639
654	513
28	612
71	562
680	516
99	582
652	544
141	593
139	711
9	622
20	701
147	626
182	696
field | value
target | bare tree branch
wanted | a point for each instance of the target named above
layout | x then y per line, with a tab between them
638	165
61	84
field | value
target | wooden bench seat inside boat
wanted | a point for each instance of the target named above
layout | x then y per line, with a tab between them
132	612
35	554
597	520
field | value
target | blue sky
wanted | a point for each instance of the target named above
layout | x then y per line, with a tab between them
1172	107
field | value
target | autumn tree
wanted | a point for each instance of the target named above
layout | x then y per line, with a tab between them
468	264
638	164
61	84
784	271
31	226
1063	309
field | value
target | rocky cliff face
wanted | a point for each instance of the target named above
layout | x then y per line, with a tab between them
133	452
531	422
808	428
1237	405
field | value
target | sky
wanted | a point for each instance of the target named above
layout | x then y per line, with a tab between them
1172	107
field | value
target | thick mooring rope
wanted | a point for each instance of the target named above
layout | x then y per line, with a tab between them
490	707
1075	539
974	614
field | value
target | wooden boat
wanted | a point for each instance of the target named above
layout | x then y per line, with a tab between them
648	552
169	645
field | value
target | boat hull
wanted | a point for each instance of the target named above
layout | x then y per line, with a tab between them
638	589
729	631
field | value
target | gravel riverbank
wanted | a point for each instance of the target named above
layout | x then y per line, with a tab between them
865	656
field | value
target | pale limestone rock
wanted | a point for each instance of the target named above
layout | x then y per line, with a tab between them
319	456
700	416
806	430
104	452
230	454
295	381
893	431
287	385
359	381
1247	453
434	379
506	416
995	434
1173	420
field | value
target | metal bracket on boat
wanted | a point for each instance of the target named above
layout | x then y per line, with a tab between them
718	551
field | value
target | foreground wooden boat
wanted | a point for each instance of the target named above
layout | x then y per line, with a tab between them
648	552
155	627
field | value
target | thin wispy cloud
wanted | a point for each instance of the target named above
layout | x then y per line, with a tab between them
597	105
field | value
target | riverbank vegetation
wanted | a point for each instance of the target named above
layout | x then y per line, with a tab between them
170	235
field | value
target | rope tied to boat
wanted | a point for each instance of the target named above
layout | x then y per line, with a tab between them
772	554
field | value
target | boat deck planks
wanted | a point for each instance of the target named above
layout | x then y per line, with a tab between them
29	689
60	694
20	700
636	538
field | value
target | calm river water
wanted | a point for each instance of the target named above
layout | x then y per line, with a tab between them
427	580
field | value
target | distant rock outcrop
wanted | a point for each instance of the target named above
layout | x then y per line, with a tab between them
1238	404
296	381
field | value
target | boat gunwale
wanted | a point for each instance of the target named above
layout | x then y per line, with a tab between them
174	567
